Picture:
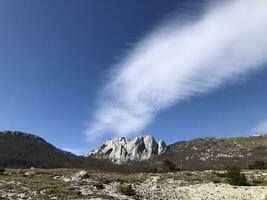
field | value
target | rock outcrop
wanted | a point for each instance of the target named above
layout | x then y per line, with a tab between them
120	150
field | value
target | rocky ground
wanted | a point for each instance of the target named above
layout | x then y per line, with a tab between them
80	184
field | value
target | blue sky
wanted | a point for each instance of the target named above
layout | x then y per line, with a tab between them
57	56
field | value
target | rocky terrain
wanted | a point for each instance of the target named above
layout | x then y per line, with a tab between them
214	153
197	154
96	177
121	150
81	184
142	154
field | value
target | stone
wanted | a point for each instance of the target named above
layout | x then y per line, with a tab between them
80	175
120	150
29	173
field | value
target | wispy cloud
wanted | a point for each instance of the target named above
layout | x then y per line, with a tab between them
261	127
179	61
76	151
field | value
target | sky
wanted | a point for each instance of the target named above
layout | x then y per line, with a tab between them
79	72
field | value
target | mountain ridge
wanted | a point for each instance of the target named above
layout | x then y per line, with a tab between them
23	150
215	152
120	150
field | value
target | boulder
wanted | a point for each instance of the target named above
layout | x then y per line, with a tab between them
80	175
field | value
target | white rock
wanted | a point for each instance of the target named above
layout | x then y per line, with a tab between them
29	173
162	147
121	150
80	175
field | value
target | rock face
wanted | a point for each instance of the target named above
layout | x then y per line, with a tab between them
121	150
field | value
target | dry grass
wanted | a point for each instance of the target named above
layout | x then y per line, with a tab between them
45	186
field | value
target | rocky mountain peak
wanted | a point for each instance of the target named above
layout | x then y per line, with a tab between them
23	135
120	150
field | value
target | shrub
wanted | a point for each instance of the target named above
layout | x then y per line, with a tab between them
2	170
126	190
235	177
258	164
169	166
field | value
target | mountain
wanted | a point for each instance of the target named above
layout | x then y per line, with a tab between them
213	153
122	150
23	150
19	149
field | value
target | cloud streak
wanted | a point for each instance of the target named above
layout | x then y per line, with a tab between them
76	151
178	61
261	127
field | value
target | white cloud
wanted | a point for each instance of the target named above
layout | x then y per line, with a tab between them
76	151
177	62
261	127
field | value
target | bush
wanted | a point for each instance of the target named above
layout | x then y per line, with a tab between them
169	166
258	164
126	190
235	177
2	170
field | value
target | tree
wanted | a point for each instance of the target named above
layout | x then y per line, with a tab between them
235	177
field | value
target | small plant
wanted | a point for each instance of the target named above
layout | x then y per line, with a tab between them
235	177
258	164
126	190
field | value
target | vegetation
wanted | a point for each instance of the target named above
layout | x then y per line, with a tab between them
2	170
21	150
169	166
48	183
235	177
126	190
258	164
